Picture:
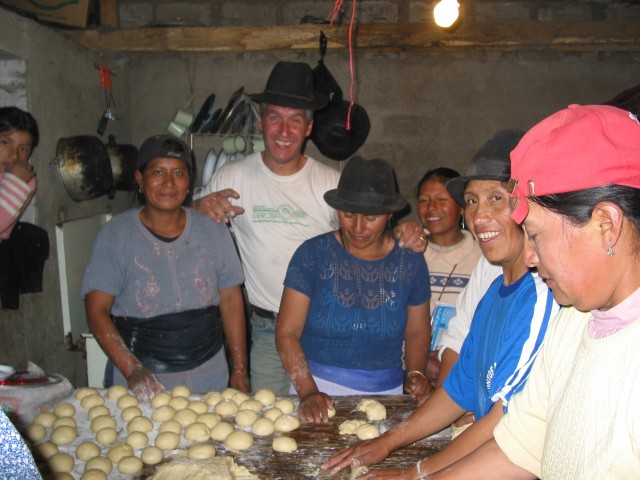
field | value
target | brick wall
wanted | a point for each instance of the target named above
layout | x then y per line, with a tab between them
140	13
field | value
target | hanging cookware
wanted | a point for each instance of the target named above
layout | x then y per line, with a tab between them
84	167
123	164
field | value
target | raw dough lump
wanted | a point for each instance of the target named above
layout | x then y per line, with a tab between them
284	444
127	400
244	418
116	391
35	432
273	413
197	432
45	419
180	391
106	436
103	421
87	450
64	410
374	409
201	451
226	408
263	427
61	462
130	465
137	439
265	396
117	452
100	463
221	431
367	432
91	401
63	435
94	474
287	423
160	399
140	424
151	455
285	405
349	427
239	440
167	440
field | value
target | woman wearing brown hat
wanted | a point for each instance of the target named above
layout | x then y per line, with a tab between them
352	297
160	301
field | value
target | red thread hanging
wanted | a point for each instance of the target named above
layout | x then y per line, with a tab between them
334	13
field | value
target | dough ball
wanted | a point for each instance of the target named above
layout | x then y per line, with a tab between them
91	401
35	432
45	419
117	452
98	463
94	474
130	465
185	417
197	432
167	441
140	424
103	421
254	405
209	419
163	413
228	393
239	440
374	409
87	450
201	451
263	427
178	403
137	439
213	398
284	444
170	426
160	399
61	462
116	391
180	391
285	405
364	403
349	427
221	431
245	418
198	406
226	408
130	413
61	476
63	435
265	396
85	392
46	450
273	413
331	412
127	400
65	421
151	455
106	436
97	411
240	398
287	423
367	432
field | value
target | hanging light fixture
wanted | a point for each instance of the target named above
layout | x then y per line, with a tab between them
446	13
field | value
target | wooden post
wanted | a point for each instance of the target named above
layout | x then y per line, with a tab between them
109	13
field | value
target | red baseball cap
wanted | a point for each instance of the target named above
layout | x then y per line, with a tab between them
576	148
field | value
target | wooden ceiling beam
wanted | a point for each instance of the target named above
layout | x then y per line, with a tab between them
396	37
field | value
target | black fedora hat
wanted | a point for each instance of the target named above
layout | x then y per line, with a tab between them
330	132
492	162
291	85
368	187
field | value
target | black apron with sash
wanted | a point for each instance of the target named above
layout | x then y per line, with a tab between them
174	342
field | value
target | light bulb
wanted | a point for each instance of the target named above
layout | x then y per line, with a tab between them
446	13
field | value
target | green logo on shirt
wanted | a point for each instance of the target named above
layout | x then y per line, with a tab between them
280	214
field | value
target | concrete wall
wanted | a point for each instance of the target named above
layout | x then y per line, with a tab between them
426	109
63	93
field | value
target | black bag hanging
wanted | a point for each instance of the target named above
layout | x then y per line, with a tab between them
324	81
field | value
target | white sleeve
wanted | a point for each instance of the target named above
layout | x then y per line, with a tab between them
482	276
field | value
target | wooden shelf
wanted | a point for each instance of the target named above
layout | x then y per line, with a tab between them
396	37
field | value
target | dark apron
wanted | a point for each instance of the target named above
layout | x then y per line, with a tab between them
175	342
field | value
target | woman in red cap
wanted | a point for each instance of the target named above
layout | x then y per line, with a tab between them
576	181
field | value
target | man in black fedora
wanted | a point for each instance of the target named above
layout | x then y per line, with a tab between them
281	191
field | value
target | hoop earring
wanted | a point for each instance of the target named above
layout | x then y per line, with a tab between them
611	251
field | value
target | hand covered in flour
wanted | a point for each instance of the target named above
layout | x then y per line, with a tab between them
143	383
216	205
239	379
411	235
314	407
366	452
417	386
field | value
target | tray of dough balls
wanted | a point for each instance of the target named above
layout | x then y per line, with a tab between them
229	435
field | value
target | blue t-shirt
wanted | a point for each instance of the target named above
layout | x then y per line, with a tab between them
506	333
358	311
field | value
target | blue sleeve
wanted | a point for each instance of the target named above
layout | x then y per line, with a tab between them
421	292
302	268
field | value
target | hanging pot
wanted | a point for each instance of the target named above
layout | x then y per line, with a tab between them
123	164
84	167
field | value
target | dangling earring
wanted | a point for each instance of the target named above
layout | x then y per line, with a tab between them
462	224
139	189
611	251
